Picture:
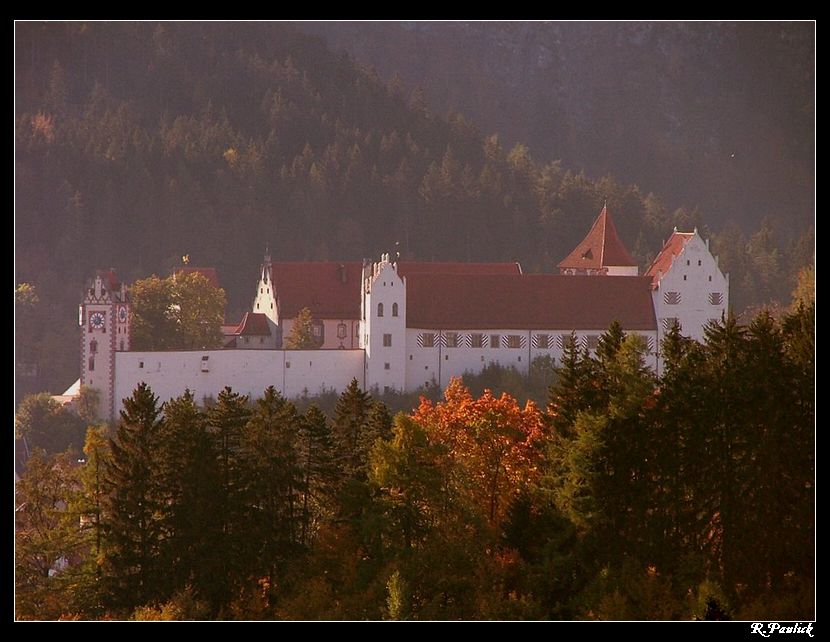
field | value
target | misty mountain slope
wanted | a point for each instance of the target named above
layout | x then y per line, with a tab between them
719	115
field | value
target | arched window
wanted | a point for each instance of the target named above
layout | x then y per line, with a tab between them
394	309
380	309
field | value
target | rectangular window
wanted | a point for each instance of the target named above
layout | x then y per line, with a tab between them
476	340
386	366
495	341
341	331
715	298
91	364
287	364
514	341
592	341
141	364
426	340
387	340
563	340
317	330
671	298
205	367
650	345
542	341
452	339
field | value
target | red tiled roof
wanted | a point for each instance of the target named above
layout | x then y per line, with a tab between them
406	268
529	302
662	262
331	290
602	247
253	324
208	272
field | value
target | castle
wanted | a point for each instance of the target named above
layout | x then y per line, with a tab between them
398	325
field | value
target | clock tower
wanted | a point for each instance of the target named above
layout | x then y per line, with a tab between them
104	318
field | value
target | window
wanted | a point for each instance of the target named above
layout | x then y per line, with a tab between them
380	309
452	339
715	298
495	341
357	331
93	346
317	330
476	340
699	263
257	306
91	364
272	305
246	340
672	298
514	341
563	340
141	364
287	364
684	277
688	262
668	322
710	278
386	366
262	339
394	309
426	340
387	340
205	367
592	341
542	341
410	357
341	330
650	345
260	290
122	345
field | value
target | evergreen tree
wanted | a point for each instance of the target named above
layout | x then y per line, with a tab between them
302	333
351	414
271	481
319	470
226	422
190	482
134	506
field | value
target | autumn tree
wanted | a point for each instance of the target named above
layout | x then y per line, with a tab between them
47	424
302	333
495	442
47	537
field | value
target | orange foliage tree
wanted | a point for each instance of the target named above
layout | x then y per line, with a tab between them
493	445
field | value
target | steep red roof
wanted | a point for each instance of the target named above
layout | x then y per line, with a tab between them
253	324
529	302
662	262
208	272
331	290
602	247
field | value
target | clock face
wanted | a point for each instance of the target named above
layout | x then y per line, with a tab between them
122	314
96	320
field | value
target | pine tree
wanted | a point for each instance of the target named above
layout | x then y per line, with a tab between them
134	505
226	422
270	477
319	470
351	414
190	482
302	333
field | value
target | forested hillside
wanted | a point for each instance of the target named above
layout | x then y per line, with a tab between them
137	143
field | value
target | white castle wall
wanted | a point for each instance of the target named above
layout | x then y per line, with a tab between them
250	372
440	363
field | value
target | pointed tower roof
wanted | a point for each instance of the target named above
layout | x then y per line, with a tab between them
602	247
